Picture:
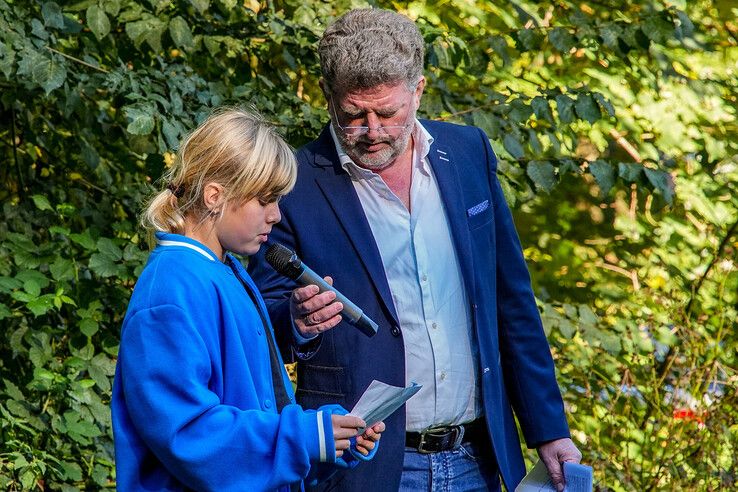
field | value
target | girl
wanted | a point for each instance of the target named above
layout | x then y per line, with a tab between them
201	399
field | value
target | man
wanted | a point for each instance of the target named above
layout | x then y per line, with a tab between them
409	217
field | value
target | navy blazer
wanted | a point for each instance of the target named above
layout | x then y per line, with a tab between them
323	221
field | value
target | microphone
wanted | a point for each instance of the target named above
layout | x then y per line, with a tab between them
288	264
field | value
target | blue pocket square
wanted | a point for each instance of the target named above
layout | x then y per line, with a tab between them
478	208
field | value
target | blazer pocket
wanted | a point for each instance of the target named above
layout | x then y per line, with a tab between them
480	214
320	381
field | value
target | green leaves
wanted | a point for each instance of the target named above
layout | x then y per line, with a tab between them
141	119
587	108
512	145
662	182
181	33
45	70
604	174
542	174
7	59
201	5
105	262
52	14
561	39
41	202
149	30
565	108
98	21
552	84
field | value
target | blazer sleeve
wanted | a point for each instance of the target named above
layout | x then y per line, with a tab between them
525	355
205	444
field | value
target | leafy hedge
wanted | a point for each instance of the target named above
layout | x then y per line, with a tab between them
616	127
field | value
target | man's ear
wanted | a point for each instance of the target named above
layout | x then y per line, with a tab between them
212	195
321	83
419	91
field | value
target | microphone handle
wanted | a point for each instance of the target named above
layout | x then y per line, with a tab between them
351	311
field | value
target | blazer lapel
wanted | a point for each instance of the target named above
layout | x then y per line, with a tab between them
338	190
452	194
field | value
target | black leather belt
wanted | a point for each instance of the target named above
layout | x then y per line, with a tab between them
445	438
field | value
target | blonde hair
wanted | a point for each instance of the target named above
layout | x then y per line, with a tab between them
233	147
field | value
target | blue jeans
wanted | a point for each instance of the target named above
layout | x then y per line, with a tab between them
468	468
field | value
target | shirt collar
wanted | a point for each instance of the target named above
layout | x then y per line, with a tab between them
422	140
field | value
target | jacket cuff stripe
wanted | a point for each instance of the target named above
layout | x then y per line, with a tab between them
321	437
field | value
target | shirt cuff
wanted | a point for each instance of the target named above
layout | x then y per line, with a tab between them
299	338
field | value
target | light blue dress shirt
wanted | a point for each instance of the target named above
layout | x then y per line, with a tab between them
428	292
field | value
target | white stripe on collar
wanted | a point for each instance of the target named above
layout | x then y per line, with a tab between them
187	245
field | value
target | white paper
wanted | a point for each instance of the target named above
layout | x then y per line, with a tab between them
380	400
578	479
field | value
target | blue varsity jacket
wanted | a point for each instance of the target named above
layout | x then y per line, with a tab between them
193	403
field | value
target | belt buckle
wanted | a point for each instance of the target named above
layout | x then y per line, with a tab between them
458	430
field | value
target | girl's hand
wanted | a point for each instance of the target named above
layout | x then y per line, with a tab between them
366	442
344	428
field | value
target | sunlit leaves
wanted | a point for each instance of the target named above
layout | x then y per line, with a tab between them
41	202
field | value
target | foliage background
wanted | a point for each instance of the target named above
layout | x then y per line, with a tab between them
615	122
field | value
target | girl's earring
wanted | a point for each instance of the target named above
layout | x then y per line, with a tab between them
214	213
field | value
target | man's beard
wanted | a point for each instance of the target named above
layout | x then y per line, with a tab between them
375	161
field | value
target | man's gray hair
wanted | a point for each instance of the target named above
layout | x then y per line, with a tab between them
365	48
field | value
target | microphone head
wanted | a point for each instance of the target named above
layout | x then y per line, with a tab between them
284	261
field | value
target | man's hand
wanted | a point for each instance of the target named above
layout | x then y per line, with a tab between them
344	428
366	442
553	454
314	312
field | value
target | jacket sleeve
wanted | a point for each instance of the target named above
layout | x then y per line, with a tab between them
525	355
165	372
350	459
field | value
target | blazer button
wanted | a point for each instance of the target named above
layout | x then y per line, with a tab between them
395	331
267	404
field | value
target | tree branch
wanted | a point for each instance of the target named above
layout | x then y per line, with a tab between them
21	183
77	60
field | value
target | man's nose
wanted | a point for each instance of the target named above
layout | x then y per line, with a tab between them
374	125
